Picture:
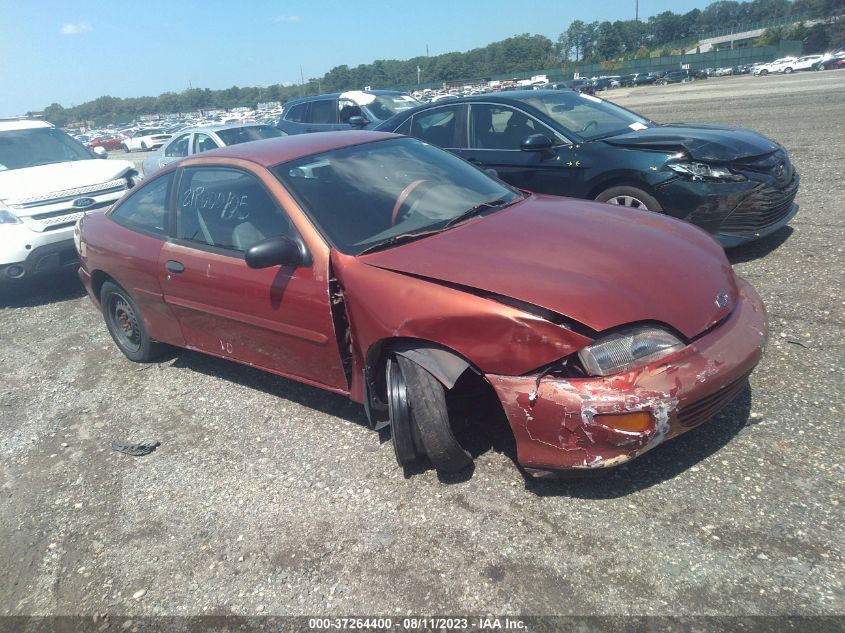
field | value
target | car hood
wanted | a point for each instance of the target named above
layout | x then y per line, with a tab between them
600	265
719	143
16	184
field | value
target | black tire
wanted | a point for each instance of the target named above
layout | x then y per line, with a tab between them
631	197
126	325
764	72
143	147
126	148
425	429
399	410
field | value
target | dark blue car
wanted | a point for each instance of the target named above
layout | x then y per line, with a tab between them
735	183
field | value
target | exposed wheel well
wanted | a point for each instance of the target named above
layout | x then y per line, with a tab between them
98	278
474	407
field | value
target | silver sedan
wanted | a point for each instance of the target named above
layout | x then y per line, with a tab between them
201	139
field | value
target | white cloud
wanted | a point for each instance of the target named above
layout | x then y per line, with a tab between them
75	28
285	18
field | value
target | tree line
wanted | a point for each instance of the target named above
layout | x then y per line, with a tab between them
580	42
600	41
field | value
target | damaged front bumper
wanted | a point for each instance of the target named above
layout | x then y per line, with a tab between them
568	424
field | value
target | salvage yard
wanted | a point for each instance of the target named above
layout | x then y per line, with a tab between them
270	497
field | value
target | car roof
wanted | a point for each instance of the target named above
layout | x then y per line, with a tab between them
22	124
335	95
217	127
273	151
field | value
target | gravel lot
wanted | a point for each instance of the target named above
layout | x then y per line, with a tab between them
270	497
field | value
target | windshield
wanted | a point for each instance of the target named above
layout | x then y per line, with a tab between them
369	194
39	146
587	116
236	135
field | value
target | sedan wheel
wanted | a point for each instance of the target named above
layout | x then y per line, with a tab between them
125	324
630	197
419	418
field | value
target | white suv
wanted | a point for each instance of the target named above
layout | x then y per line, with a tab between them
47	182
777	66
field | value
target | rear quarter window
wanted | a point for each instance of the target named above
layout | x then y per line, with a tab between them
146	209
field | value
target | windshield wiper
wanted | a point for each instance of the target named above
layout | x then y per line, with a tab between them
410	237
484	206
396	240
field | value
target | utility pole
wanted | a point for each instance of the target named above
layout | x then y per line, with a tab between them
419	70
301	80
426	50
637	11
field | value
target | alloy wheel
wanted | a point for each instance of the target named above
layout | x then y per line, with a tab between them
628	201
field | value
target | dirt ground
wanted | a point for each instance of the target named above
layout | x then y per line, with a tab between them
270	497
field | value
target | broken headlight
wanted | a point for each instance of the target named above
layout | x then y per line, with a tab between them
628	349
703	171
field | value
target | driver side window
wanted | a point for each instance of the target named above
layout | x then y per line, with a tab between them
179	147
499	127
227	208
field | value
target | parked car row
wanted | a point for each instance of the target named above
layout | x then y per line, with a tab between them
734	183
788	65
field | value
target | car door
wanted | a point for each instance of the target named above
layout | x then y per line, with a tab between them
494	135
442	126
276	318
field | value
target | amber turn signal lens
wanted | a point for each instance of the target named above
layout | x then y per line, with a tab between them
637	422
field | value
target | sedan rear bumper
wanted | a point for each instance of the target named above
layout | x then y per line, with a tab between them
567	424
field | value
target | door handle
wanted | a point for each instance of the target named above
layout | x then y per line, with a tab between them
173	266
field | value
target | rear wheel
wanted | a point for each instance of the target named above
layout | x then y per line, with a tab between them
144	146
787	71
126	326
126	148
631	197
419	418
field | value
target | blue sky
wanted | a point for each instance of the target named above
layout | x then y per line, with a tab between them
72	52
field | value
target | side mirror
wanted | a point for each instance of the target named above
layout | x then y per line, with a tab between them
100	152
358	121
273	251
538	143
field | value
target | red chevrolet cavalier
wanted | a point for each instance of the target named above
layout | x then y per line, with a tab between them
385	269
